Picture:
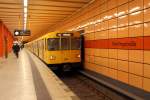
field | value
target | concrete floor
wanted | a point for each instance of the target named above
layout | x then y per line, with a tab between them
16	81
28	78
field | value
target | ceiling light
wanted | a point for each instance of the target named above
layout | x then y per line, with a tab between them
25	19
25	27
25	10
25	3
25	13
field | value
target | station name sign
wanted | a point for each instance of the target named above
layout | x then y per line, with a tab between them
22	32
130	43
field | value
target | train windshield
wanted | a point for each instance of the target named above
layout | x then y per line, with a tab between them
65	45
75	43
53	44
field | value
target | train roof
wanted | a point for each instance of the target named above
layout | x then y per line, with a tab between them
54	34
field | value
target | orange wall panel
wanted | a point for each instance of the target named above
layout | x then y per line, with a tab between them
1	40
4	33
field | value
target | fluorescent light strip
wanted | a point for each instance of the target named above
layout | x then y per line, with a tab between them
25	13
25	10
25	3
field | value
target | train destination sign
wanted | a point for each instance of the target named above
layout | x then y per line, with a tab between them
64	34
22	32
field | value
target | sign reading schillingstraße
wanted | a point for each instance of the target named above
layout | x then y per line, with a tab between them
22	32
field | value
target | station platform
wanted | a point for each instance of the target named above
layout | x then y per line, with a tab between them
28	78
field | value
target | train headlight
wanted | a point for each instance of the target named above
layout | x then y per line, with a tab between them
78	56
52	57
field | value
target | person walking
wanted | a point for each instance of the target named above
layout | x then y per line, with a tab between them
16	49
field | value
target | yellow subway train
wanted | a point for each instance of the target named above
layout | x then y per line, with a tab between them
59	50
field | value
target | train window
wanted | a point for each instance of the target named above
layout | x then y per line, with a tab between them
75	43
53	44
65	44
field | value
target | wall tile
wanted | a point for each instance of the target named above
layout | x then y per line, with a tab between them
97	35
123	65
123	54
104	25
123	9
112	13
146	86
120	2
135	5
113	63
123	32
136	30
146	29
104	52
147	57
136	68
136	18
103	34
112	4
112	73
113	33
136	55
146	15
123	21
147	70
123	76
135	80
146	3
113	53
113	23
105	71
103	7
104	62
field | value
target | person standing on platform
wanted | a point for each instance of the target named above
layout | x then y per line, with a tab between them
16	49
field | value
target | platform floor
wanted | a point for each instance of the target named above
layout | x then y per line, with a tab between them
16	81
21	80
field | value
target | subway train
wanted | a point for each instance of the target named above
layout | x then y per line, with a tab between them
59	50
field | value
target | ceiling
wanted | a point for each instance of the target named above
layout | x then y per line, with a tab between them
42	14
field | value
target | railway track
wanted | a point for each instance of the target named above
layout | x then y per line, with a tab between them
87	89
83	87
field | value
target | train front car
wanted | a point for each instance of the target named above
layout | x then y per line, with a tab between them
63	51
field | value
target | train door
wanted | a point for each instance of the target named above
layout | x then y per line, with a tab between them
65	47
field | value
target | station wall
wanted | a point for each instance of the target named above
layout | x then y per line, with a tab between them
6	40
117	39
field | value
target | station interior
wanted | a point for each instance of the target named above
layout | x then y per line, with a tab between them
105	41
